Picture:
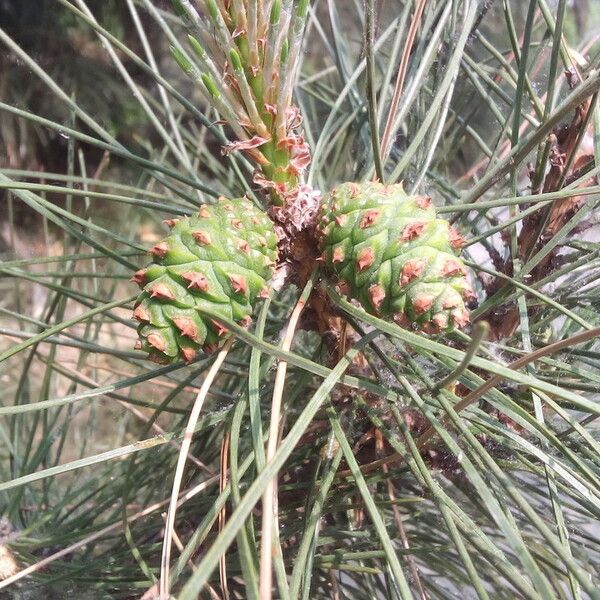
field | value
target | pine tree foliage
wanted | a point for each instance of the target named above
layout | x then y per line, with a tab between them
400	463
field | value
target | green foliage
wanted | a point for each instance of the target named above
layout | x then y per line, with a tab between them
390	485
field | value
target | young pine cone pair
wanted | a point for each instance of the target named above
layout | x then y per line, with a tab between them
383	248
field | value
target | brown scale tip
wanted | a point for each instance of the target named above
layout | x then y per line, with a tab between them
453	267
377	295
341	220
162	292
412	231
369	218
457	241
468	294
244	246
228	207
220	330
460	317
195	281
338	255
188	354
139	277
141	314
160	249
365	259
186	327
237	223
423	202
210	348
264	293
412	270
156	340
137	345
422	304
354	189
255	220
325	231
238	283
170	223
246	322
401	320
202	238
204	213
262	241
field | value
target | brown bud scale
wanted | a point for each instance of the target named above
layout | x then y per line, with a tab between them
338	255
369	218
412	270
139	277
377	295
141	314
186	327
422	304
195	281
162	291
238	283
412	231
365	259
157	341
160	250
202	238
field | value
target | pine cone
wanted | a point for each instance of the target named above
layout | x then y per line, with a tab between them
389	252
219	260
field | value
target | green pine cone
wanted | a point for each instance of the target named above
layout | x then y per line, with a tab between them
219	260
391	254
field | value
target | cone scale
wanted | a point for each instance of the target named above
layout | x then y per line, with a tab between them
391	253
219	260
